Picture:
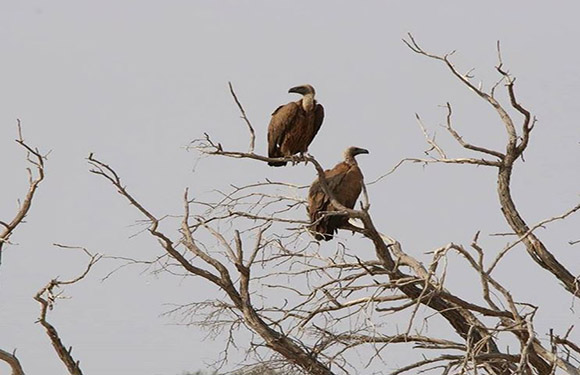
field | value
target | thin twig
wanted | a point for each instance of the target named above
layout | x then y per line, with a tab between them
250	127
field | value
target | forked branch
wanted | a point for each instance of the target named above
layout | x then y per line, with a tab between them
515	146
47	297
36	160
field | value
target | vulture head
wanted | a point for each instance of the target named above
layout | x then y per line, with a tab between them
303	90
352	151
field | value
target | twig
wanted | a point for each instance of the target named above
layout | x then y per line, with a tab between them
250	127
430	141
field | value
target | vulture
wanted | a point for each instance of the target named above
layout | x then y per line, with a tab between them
345	181
294	125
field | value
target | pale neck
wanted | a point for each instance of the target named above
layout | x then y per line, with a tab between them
308	102
349	159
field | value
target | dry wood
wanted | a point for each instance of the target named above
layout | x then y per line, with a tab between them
47	297
34	157
516	145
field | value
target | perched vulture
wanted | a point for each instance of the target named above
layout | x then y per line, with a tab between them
294	125
345	181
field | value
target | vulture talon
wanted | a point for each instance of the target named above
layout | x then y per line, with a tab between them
295	159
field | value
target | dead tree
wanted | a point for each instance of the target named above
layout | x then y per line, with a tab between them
311	312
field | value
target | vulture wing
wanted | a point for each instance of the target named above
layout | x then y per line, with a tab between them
350	187
282	120
318	202
318	118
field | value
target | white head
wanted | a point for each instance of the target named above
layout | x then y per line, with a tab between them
303	90
353	151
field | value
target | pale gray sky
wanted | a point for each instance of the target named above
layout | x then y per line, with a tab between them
135	81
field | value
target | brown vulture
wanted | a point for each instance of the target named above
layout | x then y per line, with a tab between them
345	181
294	125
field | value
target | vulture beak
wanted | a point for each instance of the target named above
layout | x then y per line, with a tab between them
296	89
303	89
360	151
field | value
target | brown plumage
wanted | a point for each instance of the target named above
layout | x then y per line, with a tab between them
294	125
345	181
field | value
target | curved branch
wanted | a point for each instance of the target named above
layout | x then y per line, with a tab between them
12	361
465	79
536	248
532	229
464	144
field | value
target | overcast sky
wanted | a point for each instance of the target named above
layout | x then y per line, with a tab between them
135	81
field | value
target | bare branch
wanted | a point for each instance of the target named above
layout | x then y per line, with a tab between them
47	298
430	141
465	79
250	127
568	343
528	123
482	162
464	144
536	248
455	360
37	161
401	162
12	361
538	225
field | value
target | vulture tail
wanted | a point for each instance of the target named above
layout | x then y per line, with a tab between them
322	231
276	163
273	152
325	237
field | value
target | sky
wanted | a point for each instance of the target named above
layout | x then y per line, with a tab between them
136	81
